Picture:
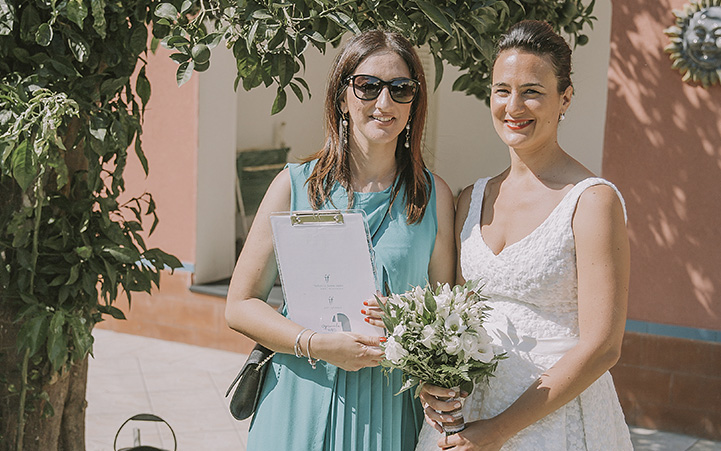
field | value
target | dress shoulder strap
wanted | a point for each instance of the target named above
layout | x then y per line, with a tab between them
575	193
475	207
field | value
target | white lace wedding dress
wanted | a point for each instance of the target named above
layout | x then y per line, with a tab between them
533	290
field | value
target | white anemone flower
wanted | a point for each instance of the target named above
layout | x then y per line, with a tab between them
454	323
453	345
394	350
428	337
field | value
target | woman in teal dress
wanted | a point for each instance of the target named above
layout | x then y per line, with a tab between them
375	111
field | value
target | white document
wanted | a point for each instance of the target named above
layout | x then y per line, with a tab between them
326	268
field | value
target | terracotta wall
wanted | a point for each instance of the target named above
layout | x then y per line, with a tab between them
663	150
170	141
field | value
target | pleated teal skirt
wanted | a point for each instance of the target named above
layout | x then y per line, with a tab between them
329	409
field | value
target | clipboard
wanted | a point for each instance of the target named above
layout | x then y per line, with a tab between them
326	267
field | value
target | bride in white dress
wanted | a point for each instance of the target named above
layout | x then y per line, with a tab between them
549	240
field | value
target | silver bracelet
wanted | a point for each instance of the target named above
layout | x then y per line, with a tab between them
296	348
311	360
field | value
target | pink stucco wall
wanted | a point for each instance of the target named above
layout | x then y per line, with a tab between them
170	141
663	149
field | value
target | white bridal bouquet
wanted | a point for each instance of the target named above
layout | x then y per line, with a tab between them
437	337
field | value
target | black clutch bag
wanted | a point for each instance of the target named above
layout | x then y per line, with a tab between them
249	383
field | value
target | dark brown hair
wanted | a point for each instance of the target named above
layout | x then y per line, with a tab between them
333	160
538	37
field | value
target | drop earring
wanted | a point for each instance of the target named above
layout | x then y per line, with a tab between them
343	131
408	135
561	117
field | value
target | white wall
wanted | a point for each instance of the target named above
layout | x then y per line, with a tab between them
215	253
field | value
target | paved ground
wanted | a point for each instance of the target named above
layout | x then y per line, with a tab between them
185	385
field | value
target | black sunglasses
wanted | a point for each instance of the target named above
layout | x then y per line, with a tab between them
368	87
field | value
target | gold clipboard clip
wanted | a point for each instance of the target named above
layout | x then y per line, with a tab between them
315	217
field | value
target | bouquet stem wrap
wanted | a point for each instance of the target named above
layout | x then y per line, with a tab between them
458	424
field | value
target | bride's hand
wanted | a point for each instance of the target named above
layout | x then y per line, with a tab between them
433	407
373	312
348	351
478	435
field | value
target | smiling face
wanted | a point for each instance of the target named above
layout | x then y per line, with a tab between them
525	102
377	122
703	38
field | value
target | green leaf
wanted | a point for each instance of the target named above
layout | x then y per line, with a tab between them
261	14
429	301
177	42
56	341
279	102
79	48
142	87
297	91
112	311
438	64
44	35
123	254
7	17
436	16
74	273
77	11
97	8
344	21
111	87
23	166
33	333
166	11
180	57
82	339
141	155
84	252
185	71
138	39
284	66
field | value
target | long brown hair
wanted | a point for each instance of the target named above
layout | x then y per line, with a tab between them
333	160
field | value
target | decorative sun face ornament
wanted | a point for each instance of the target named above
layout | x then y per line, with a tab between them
695	47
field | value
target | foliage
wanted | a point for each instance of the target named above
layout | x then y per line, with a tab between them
437	336
68	115
269	38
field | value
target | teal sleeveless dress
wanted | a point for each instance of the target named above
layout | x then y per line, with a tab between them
329	409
